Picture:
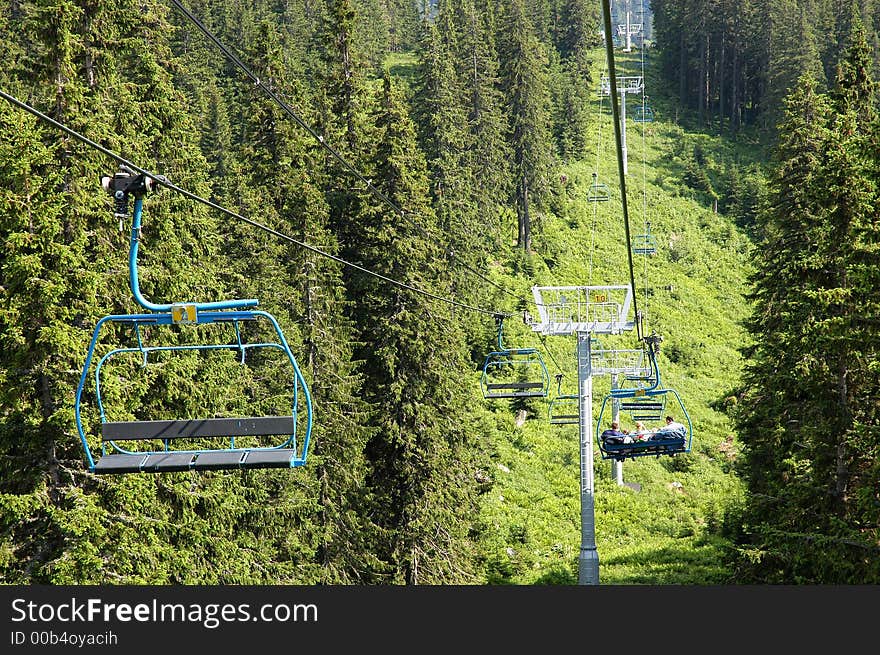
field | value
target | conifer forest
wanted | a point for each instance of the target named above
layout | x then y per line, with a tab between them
287	288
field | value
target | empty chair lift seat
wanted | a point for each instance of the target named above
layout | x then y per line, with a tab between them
564	410
157	461
519	373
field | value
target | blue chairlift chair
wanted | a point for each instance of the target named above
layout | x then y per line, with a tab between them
646	399
514	372
643	114
564	409
191	443
598	191
644	244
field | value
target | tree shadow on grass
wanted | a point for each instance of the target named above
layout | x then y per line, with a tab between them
690	564
559	574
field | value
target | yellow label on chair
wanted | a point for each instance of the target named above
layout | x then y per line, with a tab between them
639	392
183	313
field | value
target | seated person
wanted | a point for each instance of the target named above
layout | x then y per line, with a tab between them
641	433
614	435
672	430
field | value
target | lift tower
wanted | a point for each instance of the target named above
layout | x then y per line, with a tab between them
584	311
625	85
627	30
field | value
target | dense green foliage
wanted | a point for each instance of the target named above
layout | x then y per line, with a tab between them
454	157
734	61
809	409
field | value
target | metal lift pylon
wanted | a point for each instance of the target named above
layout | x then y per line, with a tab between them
628	30
584	311
624	84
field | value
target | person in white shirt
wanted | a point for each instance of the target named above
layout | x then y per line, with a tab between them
641	433
673	425
672	430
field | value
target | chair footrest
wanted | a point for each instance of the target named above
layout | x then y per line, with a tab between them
166	462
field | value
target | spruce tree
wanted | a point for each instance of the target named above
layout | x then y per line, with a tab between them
525	86
440	110
771	404
844	443
793	52
808	420
489	154
341	99
286	168
421	461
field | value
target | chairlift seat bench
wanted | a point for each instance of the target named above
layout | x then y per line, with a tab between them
185	460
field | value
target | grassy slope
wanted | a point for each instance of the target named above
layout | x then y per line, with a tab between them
664	533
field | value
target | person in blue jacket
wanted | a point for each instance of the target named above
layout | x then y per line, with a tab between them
615	435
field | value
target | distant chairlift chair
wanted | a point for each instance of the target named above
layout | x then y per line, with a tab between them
598	191
564	408
644	244
514	372
643	114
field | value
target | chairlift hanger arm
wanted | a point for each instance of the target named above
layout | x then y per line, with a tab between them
125	183
208	203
